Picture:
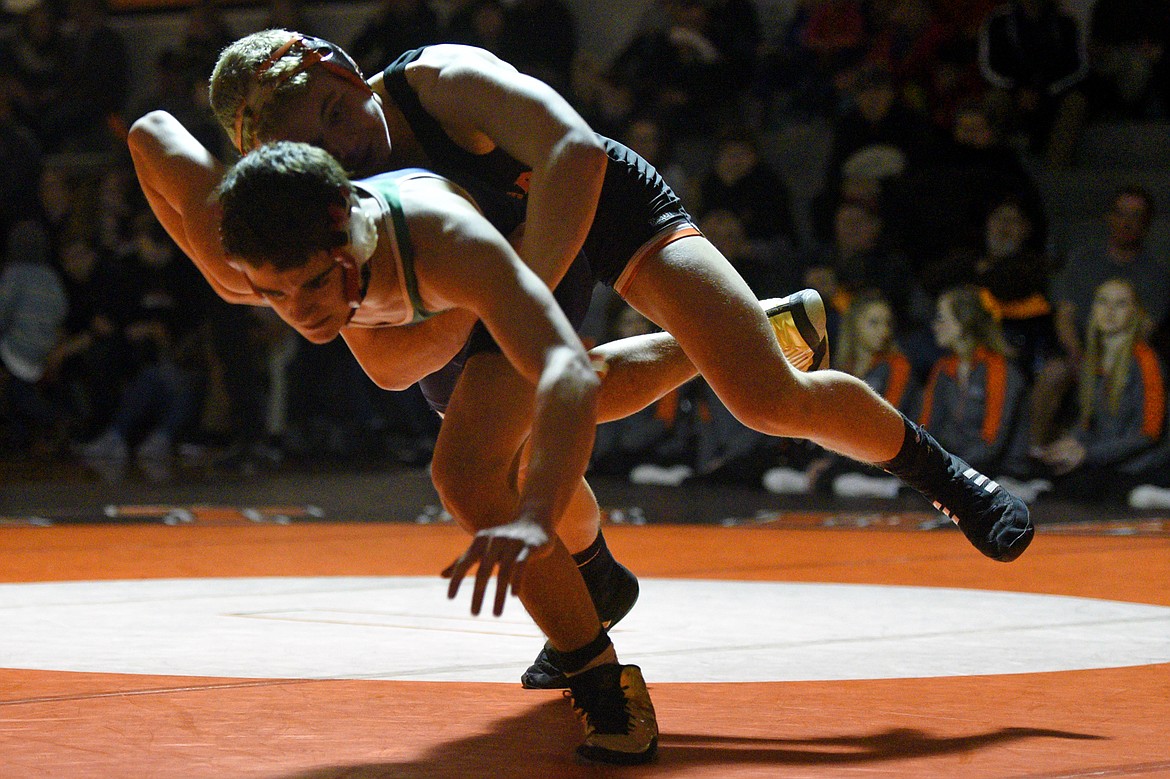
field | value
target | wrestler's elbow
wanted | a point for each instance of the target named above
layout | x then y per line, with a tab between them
385	378
146	129
580	148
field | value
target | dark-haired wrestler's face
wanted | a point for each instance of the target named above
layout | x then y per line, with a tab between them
310	298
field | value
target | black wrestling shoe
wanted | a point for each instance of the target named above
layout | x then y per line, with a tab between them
612	604
614	705
996	522
800	326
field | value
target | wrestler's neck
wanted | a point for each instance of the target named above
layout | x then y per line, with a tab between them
405	150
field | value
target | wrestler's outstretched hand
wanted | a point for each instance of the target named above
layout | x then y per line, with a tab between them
508	547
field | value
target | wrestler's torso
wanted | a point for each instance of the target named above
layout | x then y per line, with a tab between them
391	295
635	205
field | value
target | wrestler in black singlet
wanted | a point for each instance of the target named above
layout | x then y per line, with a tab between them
635	205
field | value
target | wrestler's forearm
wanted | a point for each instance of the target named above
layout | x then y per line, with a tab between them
563	427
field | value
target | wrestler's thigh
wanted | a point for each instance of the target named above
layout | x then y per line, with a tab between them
477	450
689	289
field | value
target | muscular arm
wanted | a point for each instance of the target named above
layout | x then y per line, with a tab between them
483	102
396	357
179	175
463	262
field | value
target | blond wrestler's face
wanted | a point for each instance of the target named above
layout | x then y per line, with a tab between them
311	298
341	118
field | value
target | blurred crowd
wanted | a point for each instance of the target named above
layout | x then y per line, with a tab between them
927	236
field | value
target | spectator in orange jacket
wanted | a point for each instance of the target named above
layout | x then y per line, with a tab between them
974	393
1118	440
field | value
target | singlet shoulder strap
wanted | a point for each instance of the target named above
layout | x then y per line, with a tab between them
386	188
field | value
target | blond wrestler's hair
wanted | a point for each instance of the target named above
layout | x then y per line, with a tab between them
245	95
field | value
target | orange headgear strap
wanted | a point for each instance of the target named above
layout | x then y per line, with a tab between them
312	51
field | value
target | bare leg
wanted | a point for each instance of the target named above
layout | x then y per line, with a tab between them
692	291
639	371
475	468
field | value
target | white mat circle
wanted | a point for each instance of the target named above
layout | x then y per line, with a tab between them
681	630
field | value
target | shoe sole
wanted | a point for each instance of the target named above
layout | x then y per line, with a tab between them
594	755
807	310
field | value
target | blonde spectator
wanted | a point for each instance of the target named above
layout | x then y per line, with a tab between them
1119	437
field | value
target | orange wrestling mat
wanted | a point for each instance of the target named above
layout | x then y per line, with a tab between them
325	650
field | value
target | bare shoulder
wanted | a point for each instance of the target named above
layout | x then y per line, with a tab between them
454	61
432	196
440	215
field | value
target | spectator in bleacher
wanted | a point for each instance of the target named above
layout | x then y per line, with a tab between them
674	70
90	363
791	80
1123	254
161	400
1127	52
35	55
62	199
866	346
647	136
958	24
903	43
397	26
862	255
974	394
1118	438
95	84
1032	54
32	310
744	199
877	119
1014	274
942	208
835	33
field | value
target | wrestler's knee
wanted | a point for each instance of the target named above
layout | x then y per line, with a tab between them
781	404
476	491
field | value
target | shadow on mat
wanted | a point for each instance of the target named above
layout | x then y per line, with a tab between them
540	744
894	744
